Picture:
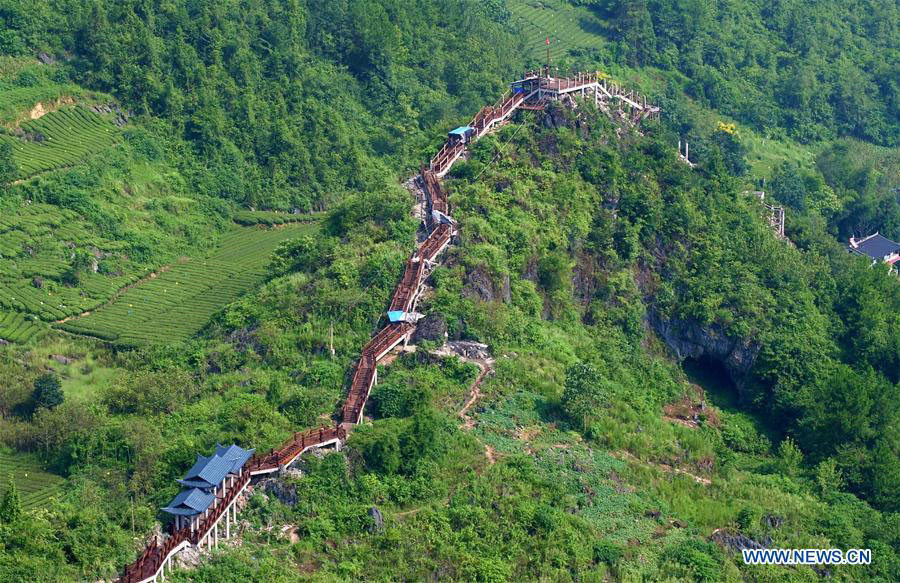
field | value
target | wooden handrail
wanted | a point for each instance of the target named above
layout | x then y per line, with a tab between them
155	554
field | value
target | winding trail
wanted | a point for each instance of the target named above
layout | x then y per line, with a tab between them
487	367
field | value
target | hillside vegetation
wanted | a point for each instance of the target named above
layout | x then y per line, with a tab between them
811	87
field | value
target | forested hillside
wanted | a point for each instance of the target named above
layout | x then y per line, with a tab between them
286	103
818	71
205	209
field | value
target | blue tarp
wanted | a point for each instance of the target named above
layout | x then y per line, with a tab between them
396	316
461	131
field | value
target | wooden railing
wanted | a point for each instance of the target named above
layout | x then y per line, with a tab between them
436	194
405	294
435	242
289	450
151	560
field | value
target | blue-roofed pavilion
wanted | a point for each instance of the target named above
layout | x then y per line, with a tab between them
207	472
190	502
237	455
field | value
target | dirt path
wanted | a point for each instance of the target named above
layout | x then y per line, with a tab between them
486	366
474	390
118	293
667	468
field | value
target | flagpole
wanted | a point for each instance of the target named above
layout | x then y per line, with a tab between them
548	56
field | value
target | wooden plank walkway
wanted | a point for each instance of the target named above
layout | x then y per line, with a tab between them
535	91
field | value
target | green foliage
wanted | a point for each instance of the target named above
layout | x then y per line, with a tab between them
250	104
303	254
10	504
585	393
147	393
48	391
778	70
698	560
584	237
269	218
7	163
828	477
35	486
789	457
395	400
58	139
182	299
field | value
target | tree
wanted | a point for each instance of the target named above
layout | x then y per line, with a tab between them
789	458
10	505
47	391
635	31
828	477
7	164
585	392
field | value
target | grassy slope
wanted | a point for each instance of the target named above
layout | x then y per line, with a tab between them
522	495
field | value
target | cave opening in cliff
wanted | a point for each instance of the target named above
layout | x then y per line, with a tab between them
712	375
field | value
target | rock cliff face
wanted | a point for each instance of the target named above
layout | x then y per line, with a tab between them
431	327
481	285
687	339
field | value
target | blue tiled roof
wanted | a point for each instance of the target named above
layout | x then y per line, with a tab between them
877	247
207	472
237	455
190	502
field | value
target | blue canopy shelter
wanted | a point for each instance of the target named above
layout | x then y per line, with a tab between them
462	134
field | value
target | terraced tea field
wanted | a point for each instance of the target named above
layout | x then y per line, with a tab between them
59	139
36	246
35	485
181	300
17	327
271	218
569	27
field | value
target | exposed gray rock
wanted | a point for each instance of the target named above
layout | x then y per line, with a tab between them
480	285
773	521
293	472
736	541
506	291
62	359
377	520
468	349
556	116
189	557
431	327
693	340
285	493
